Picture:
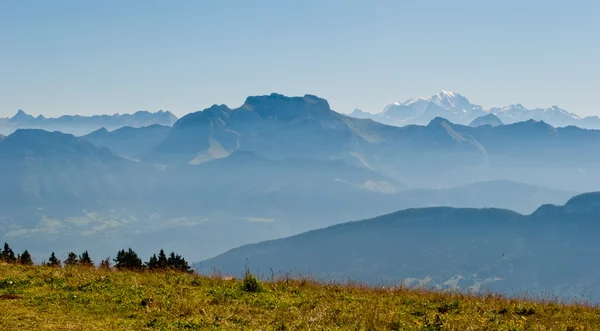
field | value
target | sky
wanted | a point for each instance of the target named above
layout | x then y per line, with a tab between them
97	57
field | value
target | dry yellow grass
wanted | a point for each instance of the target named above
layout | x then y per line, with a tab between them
43	298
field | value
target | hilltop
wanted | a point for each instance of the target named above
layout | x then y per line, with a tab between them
86	298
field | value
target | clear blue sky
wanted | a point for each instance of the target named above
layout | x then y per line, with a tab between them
88	57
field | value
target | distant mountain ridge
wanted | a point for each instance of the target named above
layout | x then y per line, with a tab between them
128	141
458	109
78	125
489	119
472	249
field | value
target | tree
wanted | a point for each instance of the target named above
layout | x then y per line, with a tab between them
7	254
162	260
71	259
176	262
128	260
85	260
152	264
53	261
25	258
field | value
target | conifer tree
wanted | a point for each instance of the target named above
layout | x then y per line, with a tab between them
25	258
176	262
162	260
128	260
7	254
85	260
152	264
71	259
53	261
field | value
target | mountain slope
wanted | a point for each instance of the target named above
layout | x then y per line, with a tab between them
55	170
470	248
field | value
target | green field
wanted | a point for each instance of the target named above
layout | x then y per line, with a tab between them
79	298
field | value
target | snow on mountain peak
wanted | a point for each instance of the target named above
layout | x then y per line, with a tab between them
446	94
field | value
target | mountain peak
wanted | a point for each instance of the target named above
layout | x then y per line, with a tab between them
450	100
447	94
287	108
21	116
438	121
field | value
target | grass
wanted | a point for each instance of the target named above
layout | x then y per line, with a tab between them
79	298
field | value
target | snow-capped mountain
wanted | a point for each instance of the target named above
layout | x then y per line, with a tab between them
449	105
554	115
458	109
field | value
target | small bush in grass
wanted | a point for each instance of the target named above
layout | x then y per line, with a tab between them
251	284
105	264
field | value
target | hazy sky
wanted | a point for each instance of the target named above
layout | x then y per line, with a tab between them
88	57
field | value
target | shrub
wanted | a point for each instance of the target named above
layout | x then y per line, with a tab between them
251	284
105	264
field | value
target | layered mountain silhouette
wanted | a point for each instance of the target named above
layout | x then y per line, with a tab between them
458	109
440	153
80	125
273	167
548	251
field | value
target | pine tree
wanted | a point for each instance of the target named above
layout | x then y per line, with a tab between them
71	259
8	255
176	262
85	260
53	261
162	260
128	260
152	264
25	258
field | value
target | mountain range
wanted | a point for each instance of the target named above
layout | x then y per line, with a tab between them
80	125
273	167
549	251
458	109
439	154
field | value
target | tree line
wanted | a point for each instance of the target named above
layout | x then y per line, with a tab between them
125	260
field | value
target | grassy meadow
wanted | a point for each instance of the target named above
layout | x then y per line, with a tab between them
84	298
